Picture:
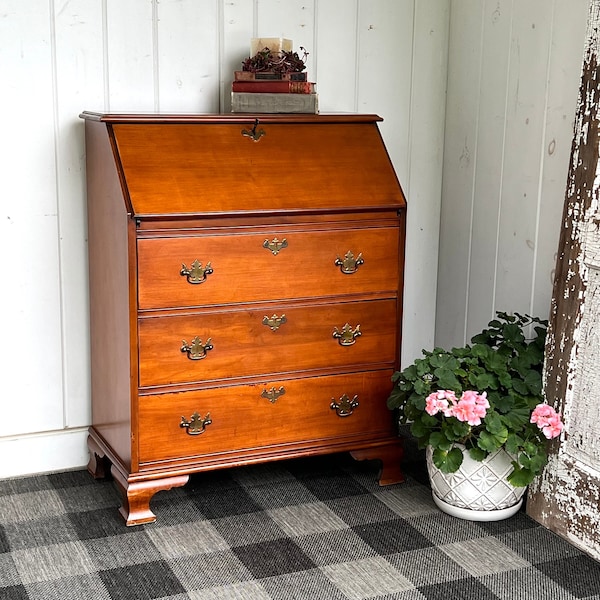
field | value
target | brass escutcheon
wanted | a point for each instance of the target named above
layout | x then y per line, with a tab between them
196	273
275	246
196	425
254	134
345	407
196	350
272	394
274	322
347	336
349	264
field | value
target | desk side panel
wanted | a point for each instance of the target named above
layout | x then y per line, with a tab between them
110	253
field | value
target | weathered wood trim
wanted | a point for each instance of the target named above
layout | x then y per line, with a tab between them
567	495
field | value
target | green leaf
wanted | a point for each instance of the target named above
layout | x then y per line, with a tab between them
486	381
516	418
460	429
494	424
481	350
504	404
447	462
410	373
512	333
533	381
520	387
520	477
490	442
447	380
477	453
422	388
513	443
443	360
439	441
421	367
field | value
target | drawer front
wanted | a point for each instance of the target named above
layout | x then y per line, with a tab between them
243	418
244	270
278	340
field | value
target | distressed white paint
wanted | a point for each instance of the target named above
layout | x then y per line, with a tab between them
567	495
59	57
513	76
583	442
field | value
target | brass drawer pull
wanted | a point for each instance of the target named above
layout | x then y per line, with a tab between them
196	350
349	264
254	134
275	246
347	336
196	273
196	425
345	407
274	322
272	394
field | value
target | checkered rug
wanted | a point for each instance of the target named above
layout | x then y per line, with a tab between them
310	529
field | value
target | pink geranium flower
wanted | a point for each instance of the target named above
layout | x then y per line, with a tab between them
439	402
471	407
548	420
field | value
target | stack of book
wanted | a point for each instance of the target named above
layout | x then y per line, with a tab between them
266	91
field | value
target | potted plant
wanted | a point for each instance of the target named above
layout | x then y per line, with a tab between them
480	409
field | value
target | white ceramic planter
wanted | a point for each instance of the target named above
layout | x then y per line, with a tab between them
478	491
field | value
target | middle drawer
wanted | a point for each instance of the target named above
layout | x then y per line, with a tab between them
221	344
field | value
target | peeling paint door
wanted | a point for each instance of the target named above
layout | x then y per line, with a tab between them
566	498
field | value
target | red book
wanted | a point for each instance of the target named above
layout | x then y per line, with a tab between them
274	87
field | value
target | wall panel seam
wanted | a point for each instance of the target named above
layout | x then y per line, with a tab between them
411	101
542	162
105	59
155	56
500	188
221	54
473	185
56	134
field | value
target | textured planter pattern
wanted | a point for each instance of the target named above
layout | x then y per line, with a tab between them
478	486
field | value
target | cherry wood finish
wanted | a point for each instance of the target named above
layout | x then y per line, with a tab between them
296	354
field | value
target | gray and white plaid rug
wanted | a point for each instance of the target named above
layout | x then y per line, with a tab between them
309	529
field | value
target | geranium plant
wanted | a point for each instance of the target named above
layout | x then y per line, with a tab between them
484	396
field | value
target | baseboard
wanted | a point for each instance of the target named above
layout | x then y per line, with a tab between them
43	452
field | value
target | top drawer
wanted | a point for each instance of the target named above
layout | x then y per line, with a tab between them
202	168
252	267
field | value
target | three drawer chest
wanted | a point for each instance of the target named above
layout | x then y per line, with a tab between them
245	294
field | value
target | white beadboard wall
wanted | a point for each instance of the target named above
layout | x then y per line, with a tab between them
513	77
511	71
59	57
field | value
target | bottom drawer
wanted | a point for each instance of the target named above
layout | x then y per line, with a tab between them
319	410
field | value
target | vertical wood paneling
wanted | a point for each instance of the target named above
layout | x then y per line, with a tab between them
30	352
335	49
130	76
460	159
568	38
79	83
424	181
496	31
188	63
509	185
523	139
384	84
238	29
